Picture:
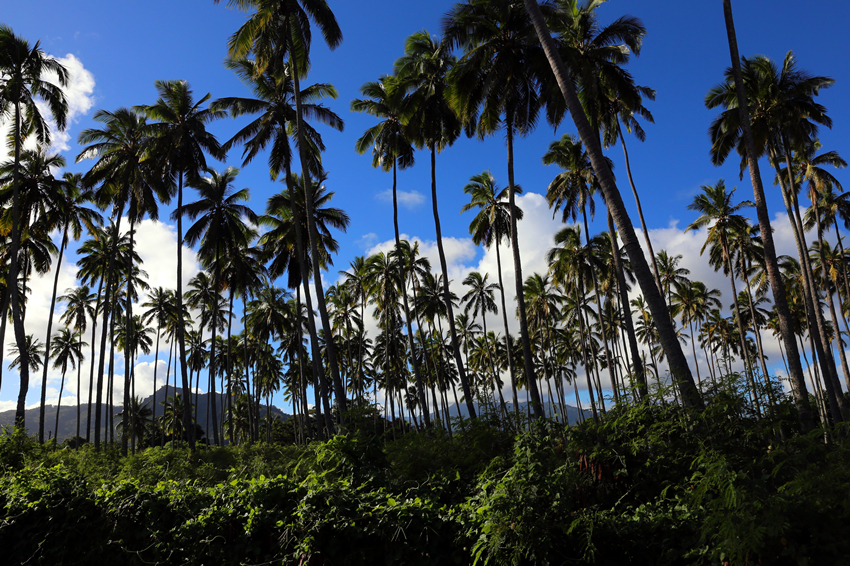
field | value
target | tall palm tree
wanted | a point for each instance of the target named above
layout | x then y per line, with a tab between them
751	148
391	150
22	68
491	225
432	124
283	29
78	309
676	358
73	215
495	84
68	350
692	301
721	217
125	183
179	146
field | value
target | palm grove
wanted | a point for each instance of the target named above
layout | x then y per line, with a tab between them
499	67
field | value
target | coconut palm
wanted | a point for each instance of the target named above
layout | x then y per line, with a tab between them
491	225
432	124
72	216
79	308
67	351
283	29
494	84
22	68
180	142
676	358
722	218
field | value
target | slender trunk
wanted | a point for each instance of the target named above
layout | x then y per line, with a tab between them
128	340
105	331
313	236
816	324
402	265
12	281
773	274
511	362
181	330
91	371
584	356
599	307
677	361
464	382
639	208
47	340
79	379
520	297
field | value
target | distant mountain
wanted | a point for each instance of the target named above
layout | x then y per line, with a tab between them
68	414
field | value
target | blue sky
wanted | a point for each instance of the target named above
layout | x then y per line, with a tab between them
127	45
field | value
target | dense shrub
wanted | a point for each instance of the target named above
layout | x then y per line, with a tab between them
644	485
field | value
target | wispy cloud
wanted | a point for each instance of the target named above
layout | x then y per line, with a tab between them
407	199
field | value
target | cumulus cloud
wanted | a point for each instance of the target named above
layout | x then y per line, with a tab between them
407	199
79	93
156	243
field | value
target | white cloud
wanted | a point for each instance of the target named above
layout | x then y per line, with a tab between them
79	93
407	199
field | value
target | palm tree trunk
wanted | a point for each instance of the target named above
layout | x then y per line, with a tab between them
520	297
128	335
677	361
745	352
464	382
91	371
587	369
12	280
816	322
774	276
181	330
79	379
511	362
416	373
639	208
47	339
106	326
312	233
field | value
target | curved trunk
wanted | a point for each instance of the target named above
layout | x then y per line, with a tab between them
675	356
639	208
58	407
12	288
47	341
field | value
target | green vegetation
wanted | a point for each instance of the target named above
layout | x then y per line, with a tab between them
645	485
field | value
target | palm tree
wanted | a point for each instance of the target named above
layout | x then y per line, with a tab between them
78	309
180	141
68	350
432	124
73	216
135	417
717	211
749	150
495	84
276	30
125	182
676	358
22	67
491	225
390	150
480	300
692	301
